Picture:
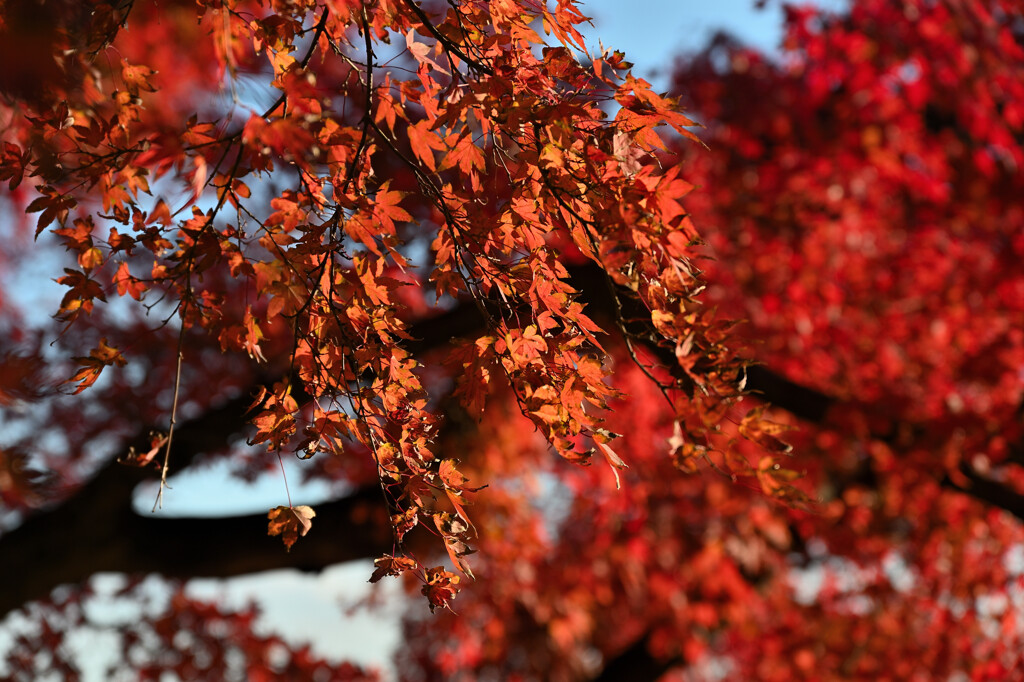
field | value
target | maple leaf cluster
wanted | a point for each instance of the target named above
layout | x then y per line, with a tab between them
424	245
310	233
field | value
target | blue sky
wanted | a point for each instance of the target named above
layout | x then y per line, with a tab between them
653	33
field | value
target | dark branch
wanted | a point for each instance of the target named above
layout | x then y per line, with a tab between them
988	491
637	664
69	544
798	400
96	528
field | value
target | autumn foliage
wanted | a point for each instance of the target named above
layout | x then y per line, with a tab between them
449	256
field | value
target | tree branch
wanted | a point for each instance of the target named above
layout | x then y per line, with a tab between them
637	664
73	542
96	528
988	491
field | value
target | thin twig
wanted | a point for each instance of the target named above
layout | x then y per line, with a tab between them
284	475
159	503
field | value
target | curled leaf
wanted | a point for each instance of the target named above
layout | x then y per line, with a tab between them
391	565
765	432
290	523
405	522
613	458
141	459
100	358
440	587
